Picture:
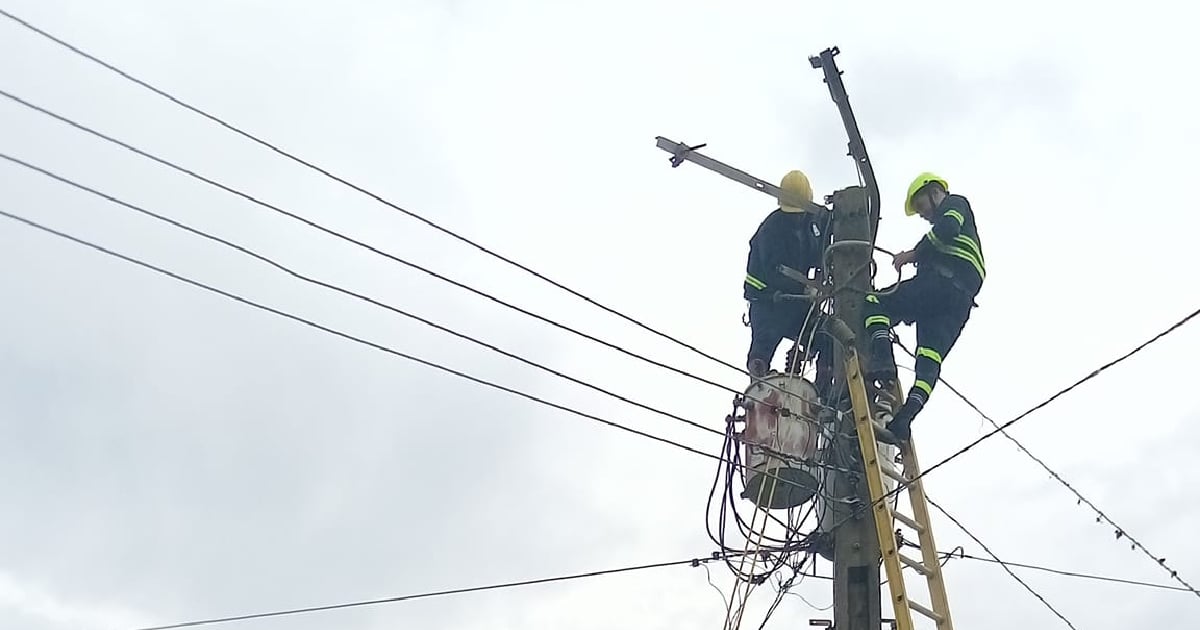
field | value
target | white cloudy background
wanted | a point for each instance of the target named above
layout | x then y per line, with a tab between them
167	454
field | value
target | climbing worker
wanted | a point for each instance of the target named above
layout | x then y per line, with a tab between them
790	236
939	299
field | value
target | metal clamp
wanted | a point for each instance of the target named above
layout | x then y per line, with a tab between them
679	155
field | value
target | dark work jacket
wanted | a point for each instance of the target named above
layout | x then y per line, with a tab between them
793	239
953	244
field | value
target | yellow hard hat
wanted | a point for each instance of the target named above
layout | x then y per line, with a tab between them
796	183
918	184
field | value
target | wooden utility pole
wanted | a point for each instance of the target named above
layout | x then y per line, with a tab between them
856	591
856	596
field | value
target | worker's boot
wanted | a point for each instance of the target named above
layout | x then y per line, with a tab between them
881	365
900	426
757	368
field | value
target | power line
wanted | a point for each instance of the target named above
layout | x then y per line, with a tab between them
386	349
347	336
533	272
359	243
577	576
394	309
959	553
1063	391
1120	531
1172	328
695	562
863	507
1003	564
362	190
265	259
344	335
295	274
1087	576
248	302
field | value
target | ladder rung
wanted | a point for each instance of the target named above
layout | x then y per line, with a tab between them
912	524
925	611
913	564
893	474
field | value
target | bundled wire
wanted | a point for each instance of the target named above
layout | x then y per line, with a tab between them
731	479
784	586
768	554
761	553
764	553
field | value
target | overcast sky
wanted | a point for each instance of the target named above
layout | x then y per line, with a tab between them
168	454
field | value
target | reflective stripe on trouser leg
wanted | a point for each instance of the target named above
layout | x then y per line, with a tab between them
928	368
919	394
875	320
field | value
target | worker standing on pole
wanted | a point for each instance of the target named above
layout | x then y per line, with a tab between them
792	237
939	299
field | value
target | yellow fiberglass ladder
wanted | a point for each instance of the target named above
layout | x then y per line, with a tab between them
887	520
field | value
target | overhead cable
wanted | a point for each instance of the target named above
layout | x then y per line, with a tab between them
362	244
1074	574
695	562
863	507
377	346
394	309
1162	561
360	189
269	261
122	73
1119	531
1003	564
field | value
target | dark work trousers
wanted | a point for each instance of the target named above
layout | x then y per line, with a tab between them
940	310
772	322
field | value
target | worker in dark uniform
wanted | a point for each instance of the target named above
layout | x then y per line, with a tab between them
939	299
789	236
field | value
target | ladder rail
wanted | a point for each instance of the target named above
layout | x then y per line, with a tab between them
874	473
915	488
885	518
920	509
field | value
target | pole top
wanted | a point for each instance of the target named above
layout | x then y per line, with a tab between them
832	51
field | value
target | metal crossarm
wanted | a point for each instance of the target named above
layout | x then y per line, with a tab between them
681	153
